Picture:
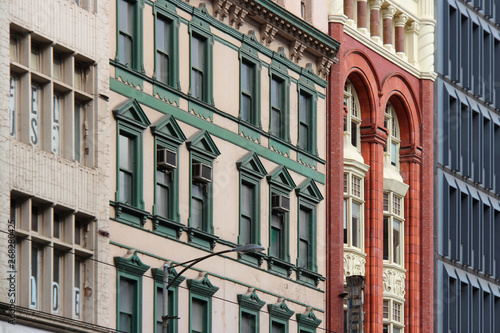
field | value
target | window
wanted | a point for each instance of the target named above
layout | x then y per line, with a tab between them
248	213
353	211
279	113
48	251
203	152
393	138
248	322
56	100
281	184
353	121
200	305
308	322
393	314
249	100
173	309
393	228
13	106
307	139
251	172
278	241
199	68
166	58
127	168
129	293
131	121
309	196
127	37
306	249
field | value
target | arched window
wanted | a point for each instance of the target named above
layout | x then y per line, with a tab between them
393	138
353	120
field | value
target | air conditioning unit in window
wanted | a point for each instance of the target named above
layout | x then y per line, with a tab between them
280	203
202	172
166	159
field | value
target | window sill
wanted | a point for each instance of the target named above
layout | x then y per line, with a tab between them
254	258
202	238
280	266
167	227
309	277
129	215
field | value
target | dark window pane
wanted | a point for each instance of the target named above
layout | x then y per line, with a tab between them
386	238
246	107
197	84
277	327
162	67
34	218
126	187
354	134
277	235
276	122
198	316
345	221
356	227
125	52
248	323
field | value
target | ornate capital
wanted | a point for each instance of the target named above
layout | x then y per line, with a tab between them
401	20
394	282
268	32
414	27
375	4
388	12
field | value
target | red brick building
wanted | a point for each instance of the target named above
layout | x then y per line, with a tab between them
380	151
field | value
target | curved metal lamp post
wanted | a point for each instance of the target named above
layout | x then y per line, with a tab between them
166	283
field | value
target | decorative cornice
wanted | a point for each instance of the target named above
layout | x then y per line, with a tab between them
280	310
411	154
290	26
296	50
250	300
308	319
202	286
268	32
131	263
237	16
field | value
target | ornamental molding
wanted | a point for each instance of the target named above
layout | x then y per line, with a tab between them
394	282
354	263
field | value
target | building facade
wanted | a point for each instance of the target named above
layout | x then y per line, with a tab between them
380	151
467	295
53	165
217	126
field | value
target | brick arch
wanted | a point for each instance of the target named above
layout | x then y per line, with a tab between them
397	90
361	72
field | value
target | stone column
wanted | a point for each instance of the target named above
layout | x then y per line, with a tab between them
412	52
400	23
387	15
375	18
362	12
349	9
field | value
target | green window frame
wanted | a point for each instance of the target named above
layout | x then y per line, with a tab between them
173	300
306	257
202	150
201	61
168	135
279	113
307	119
129	293
200	305
250	91
131	122
281	183
249	314
251	173
129	33
166	44
279	315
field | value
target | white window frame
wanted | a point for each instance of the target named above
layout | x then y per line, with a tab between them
353	118
389	317
350	197
393	215
391	123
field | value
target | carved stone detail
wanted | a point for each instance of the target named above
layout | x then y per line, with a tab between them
324	67
354	263
221	8
394	282
297	50
268	32
237	16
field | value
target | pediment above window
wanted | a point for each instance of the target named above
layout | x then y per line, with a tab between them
203	143
130	111
168	128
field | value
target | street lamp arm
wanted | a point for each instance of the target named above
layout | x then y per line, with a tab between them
192	263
